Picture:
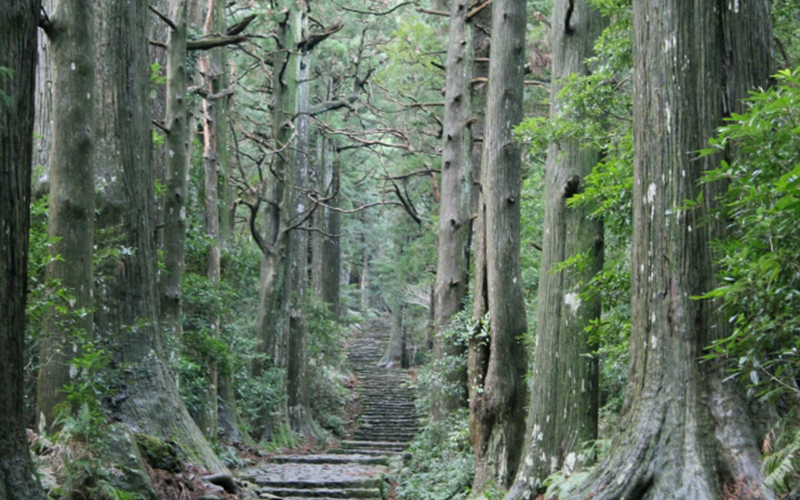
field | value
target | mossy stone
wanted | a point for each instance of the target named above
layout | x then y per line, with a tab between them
159	454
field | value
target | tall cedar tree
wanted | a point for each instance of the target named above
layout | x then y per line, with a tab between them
456	191
18	21
71	209
683	434
146	396
496	357
563	407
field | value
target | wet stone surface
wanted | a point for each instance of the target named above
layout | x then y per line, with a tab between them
387	422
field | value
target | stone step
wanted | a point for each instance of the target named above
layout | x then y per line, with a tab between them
352	458
323	492
389	445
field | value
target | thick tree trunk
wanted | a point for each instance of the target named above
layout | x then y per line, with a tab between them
497	415
326	255
564	389
297	256
683	434
274	306
127	316
71	214
177	143
454	212
18	20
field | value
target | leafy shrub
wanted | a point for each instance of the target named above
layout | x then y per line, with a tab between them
441	463
759	265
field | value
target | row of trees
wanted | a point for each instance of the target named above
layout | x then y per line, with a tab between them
278	120
682	433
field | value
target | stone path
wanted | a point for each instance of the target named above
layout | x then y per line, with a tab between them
356	470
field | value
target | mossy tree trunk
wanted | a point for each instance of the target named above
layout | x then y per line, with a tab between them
454	212
498	361
145	395
563	407
71	208
682	434
18	21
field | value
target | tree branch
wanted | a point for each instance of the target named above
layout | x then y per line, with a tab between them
213	42
371	13
164	18
477	9
212	97
44	22
433	12
241	25
313	39
161	126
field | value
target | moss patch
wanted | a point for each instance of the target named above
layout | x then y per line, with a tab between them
159	454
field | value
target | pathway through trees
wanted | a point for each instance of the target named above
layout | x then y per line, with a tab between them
387	422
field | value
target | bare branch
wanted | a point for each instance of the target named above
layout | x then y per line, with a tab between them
372	13
241	25
161	126
433	12
472	13
164	18
212	42
313	39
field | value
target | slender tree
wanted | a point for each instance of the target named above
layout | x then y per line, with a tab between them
497	360
563	406
18	21
456	193
177	163
683	433
70	31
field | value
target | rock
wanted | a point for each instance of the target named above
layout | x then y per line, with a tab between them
223	480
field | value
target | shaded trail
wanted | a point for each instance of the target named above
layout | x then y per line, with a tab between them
386	423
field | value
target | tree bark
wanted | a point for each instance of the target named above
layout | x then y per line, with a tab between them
454	212
212	71
145	394
498	365
71	208
18	21
274	306
43	123
683	434
177	142
326	254
297	251
563	407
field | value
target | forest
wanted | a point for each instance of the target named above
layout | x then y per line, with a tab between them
399	249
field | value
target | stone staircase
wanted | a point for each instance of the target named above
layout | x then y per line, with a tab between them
386	423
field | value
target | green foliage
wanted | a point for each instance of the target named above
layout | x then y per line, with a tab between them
441	464
781	465
326	388
759	288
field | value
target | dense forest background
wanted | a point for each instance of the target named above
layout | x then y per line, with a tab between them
578	217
